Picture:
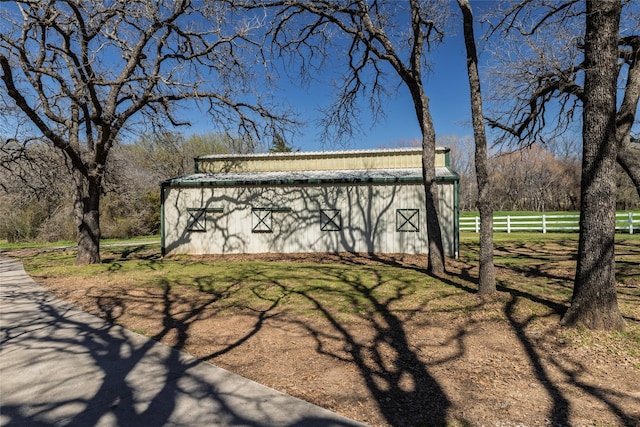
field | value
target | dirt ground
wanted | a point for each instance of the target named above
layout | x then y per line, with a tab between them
486	367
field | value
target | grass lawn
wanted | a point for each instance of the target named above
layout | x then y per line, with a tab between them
376	338
471	214
347	286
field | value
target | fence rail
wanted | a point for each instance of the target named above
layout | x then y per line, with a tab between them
627	222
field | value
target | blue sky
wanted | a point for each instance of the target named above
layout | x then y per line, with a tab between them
446	85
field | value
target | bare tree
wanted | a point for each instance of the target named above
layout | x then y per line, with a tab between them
594	302
535	179
487	282
85	72
539	80
462	160
379	41
30	189
560	60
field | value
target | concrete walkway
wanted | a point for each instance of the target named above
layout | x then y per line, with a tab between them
60	366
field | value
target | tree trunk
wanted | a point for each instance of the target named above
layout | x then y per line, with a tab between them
436	263
628	156
487	281
629	160
436	251
594	302
86	212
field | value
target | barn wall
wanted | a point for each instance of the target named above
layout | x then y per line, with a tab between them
338	160
238	219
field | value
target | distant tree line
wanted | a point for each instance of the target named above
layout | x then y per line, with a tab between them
541	177
35	204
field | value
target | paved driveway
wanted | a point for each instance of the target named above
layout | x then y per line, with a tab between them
60	366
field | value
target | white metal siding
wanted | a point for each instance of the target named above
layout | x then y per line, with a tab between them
368	213
333	160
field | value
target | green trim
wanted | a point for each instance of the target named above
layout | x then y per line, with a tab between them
453	175
206	210
197	221
272	209
261	220
405	220
276	182
330	219
456	219
162	232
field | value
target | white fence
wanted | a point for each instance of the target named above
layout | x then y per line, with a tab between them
625	223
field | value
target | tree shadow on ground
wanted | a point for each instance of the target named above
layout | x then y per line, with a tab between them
395	374
561	408
139	382
399	381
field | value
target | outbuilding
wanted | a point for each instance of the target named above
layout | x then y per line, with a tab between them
369	201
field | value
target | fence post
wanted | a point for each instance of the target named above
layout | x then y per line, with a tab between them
508	223
477	224
544	224
630	223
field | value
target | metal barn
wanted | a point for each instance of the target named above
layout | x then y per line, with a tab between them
339	201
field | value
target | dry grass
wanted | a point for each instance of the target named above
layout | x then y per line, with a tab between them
378	339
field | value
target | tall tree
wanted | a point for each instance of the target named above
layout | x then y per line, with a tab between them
279	145
540	79
594	302
380	40
486	282
573	67
85	72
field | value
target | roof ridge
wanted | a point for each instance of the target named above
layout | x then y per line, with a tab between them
399	150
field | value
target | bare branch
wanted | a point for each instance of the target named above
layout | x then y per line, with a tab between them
85	72
540	88
379	40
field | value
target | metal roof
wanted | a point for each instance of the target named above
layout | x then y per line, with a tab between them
407	175
354	152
